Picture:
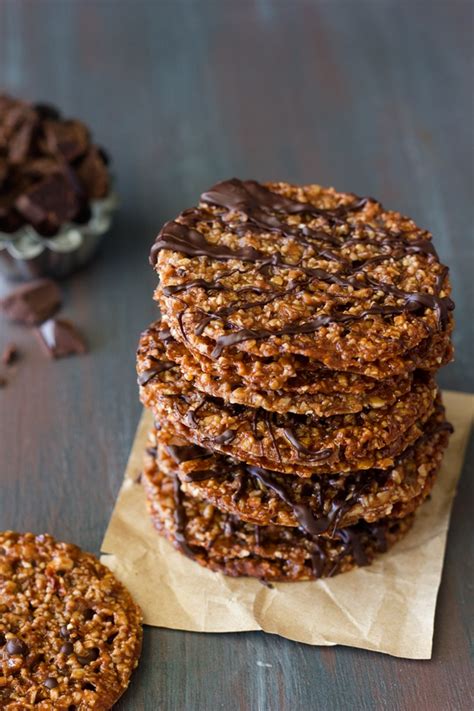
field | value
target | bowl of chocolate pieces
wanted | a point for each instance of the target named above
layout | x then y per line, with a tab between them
56	192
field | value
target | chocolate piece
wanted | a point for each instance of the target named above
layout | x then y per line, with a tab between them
21	143
49	204
16	646
61	338
67	138
46	111
3	171
92	172
10	219
10	354
33	302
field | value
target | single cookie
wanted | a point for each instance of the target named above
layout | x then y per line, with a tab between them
277	269
273	373
70	634
313	392
222	543
318	504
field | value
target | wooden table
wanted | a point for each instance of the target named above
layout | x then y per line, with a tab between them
372	96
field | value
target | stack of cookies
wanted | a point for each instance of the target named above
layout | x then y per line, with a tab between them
298	426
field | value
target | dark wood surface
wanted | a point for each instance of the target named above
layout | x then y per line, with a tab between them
371	96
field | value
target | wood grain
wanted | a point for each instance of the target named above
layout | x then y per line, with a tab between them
373	96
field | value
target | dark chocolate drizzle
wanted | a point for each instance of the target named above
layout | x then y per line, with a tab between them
150	373
187	452
259	204
312	521
180	519
302	512
226	437
312	455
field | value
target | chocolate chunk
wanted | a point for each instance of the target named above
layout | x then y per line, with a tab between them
16	646
67	648
67	138
3	171
39	168
49	203
64	632
35	660
89	656
46	111
21	142
50	683
61	338
32	303
93	173
10	354
10	219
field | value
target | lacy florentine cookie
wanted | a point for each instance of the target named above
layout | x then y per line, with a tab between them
70	634
281	269
317	505
274	373
318	392
222	543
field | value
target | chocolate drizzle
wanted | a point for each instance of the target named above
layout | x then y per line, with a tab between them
180	518
309	511
184	239
226	437
186	453
312	455
262	208
150	373
303	513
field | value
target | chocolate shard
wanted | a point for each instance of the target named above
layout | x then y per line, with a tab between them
49	203
10	219
61	338
32	303
47	111
67	138
92	172
3	171
10	354
21	142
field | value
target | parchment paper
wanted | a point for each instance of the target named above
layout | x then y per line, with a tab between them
387	607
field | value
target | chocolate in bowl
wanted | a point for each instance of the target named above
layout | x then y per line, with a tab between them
56	191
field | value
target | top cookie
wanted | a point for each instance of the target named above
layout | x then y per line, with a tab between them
276	269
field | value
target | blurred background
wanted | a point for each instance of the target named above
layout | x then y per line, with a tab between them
370	96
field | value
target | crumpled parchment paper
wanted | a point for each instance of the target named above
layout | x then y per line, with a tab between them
387	607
